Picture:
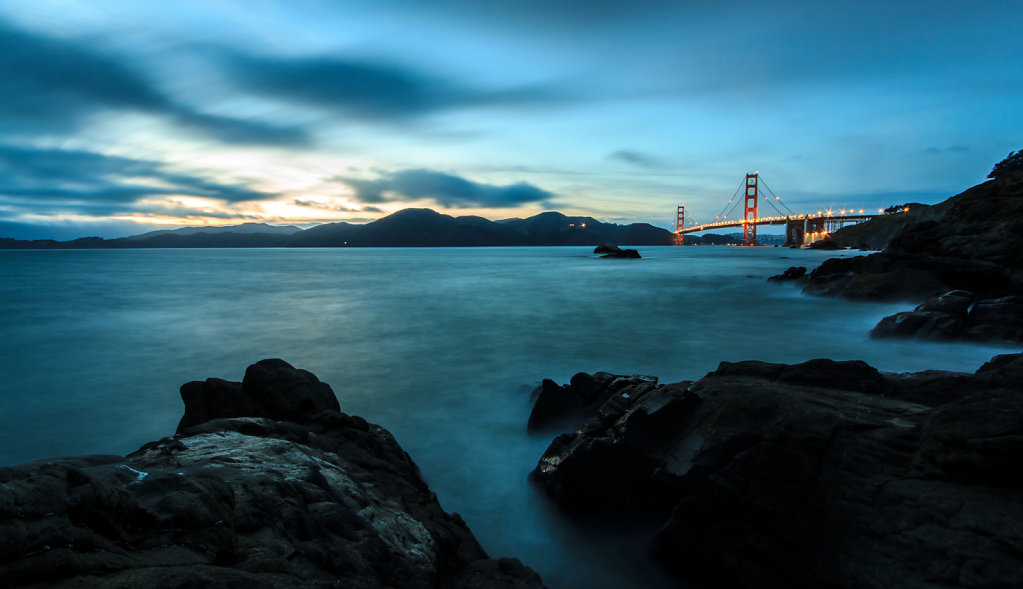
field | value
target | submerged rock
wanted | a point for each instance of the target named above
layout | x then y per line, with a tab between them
816	474
295	494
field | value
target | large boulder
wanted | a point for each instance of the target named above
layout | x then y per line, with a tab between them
816	474
271	388
326	500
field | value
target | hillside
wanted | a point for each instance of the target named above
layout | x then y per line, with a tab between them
972	241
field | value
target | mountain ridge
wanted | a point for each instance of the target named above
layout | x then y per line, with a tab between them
404	228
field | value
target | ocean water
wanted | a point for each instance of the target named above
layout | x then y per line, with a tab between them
441	346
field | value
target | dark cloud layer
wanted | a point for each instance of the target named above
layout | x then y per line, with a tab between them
369	89
635	158
36	175
445	189
53	85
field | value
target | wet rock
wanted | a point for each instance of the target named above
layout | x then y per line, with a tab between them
825	244
815	474
950	317
607	248
955	303
327	500
998	320
566	405
623	254
925	325
793	273
271	388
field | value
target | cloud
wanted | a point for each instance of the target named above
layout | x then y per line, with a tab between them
445	189
373	90
635	158
952	149
32	175
331	206
54	85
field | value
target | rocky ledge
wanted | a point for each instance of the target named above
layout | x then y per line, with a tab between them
823	474
266	484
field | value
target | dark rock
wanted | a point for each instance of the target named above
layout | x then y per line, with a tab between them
972	241
622	254
827	243
955	303
945	318
793	273
243	502
815	474
561	406
999	320
607	248
925	325
271	388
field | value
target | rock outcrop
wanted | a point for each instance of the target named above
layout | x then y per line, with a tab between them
557	406
972	241
956	316
611	250
825	474
792	274
266	484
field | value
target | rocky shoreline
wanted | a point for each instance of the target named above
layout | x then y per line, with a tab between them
266	484
815	474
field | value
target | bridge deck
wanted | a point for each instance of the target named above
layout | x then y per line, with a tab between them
775	221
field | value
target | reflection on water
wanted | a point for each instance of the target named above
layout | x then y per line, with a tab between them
437	345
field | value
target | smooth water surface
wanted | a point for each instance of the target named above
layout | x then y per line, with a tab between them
440	345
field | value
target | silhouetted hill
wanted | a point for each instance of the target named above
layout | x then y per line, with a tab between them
425	227
405	228
244	228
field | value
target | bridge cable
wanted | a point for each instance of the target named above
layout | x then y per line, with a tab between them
771	192
730	201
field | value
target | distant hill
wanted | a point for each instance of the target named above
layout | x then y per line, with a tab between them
405	228
244	228
425	227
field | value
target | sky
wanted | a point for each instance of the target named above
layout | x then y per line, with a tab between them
120	117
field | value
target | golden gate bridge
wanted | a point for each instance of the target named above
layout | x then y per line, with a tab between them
800	229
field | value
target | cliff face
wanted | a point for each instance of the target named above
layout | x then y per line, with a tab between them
300	495
822	474
973	241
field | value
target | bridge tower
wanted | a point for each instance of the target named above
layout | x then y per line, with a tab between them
749	228
680	225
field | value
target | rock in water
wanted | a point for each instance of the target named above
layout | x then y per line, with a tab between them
633	254
793	273
272	497
607	248
816	474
